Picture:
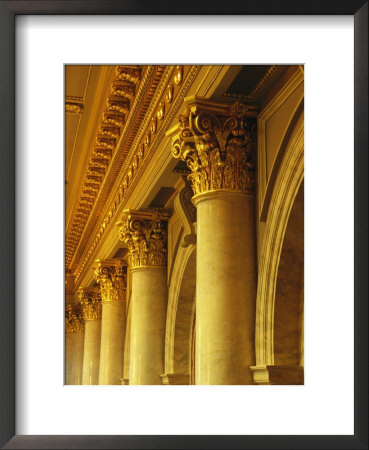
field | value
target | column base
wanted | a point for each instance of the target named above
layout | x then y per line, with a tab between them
278	374
175	378
124	381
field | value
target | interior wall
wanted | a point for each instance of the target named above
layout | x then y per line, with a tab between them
289	298
184	319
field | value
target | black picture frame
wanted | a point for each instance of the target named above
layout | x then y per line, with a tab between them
8	12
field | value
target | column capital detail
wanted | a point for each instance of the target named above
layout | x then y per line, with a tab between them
111	276
217	141
73	319
90	301
145	234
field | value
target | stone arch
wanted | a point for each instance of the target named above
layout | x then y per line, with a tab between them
180	313
286	186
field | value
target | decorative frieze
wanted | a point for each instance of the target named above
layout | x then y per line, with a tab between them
217	142
145	233
157	121
111	276
117	107
90	302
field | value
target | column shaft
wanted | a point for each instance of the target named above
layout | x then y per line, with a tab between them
91	358
148	316
113	328
226	288
77	359
68	357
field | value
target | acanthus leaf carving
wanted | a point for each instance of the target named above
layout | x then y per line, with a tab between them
111	276
90	301
74	319
218	146
146	238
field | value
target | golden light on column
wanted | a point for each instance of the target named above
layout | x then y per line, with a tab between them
91	307
111	276
74	327
146	237
217	142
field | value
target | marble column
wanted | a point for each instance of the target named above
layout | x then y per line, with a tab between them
111	275
78	341
68	346
144	232
217	142
91	306
76	347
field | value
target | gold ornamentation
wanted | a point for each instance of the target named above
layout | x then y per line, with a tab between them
74	108
161	111
169	94
145	234
121	106
90	301
73	319
124	89
118	104
130	73
217	143
111	276
113	119
148	138
137	147
154	124
178	77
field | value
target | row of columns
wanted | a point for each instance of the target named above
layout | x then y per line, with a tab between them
217	142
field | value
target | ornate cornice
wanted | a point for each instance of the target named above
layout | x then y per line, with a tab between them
145	234
145	144
90	301
117	107
111	276
217	143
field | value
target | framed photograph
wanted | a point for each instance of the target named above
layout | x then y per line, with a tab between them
158	230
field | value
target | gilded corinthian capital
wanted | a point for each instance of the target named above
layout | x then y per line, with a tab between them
111	276
145	234
73	319
217	142
90	302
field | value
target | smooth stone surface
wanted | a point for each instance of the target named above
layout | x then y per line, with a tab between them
113	329
289	295
77	360
68	357
91	357
226	288
148	317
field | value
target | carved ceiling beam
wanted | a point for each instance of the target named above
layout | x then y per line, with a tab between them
150	132
117	105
